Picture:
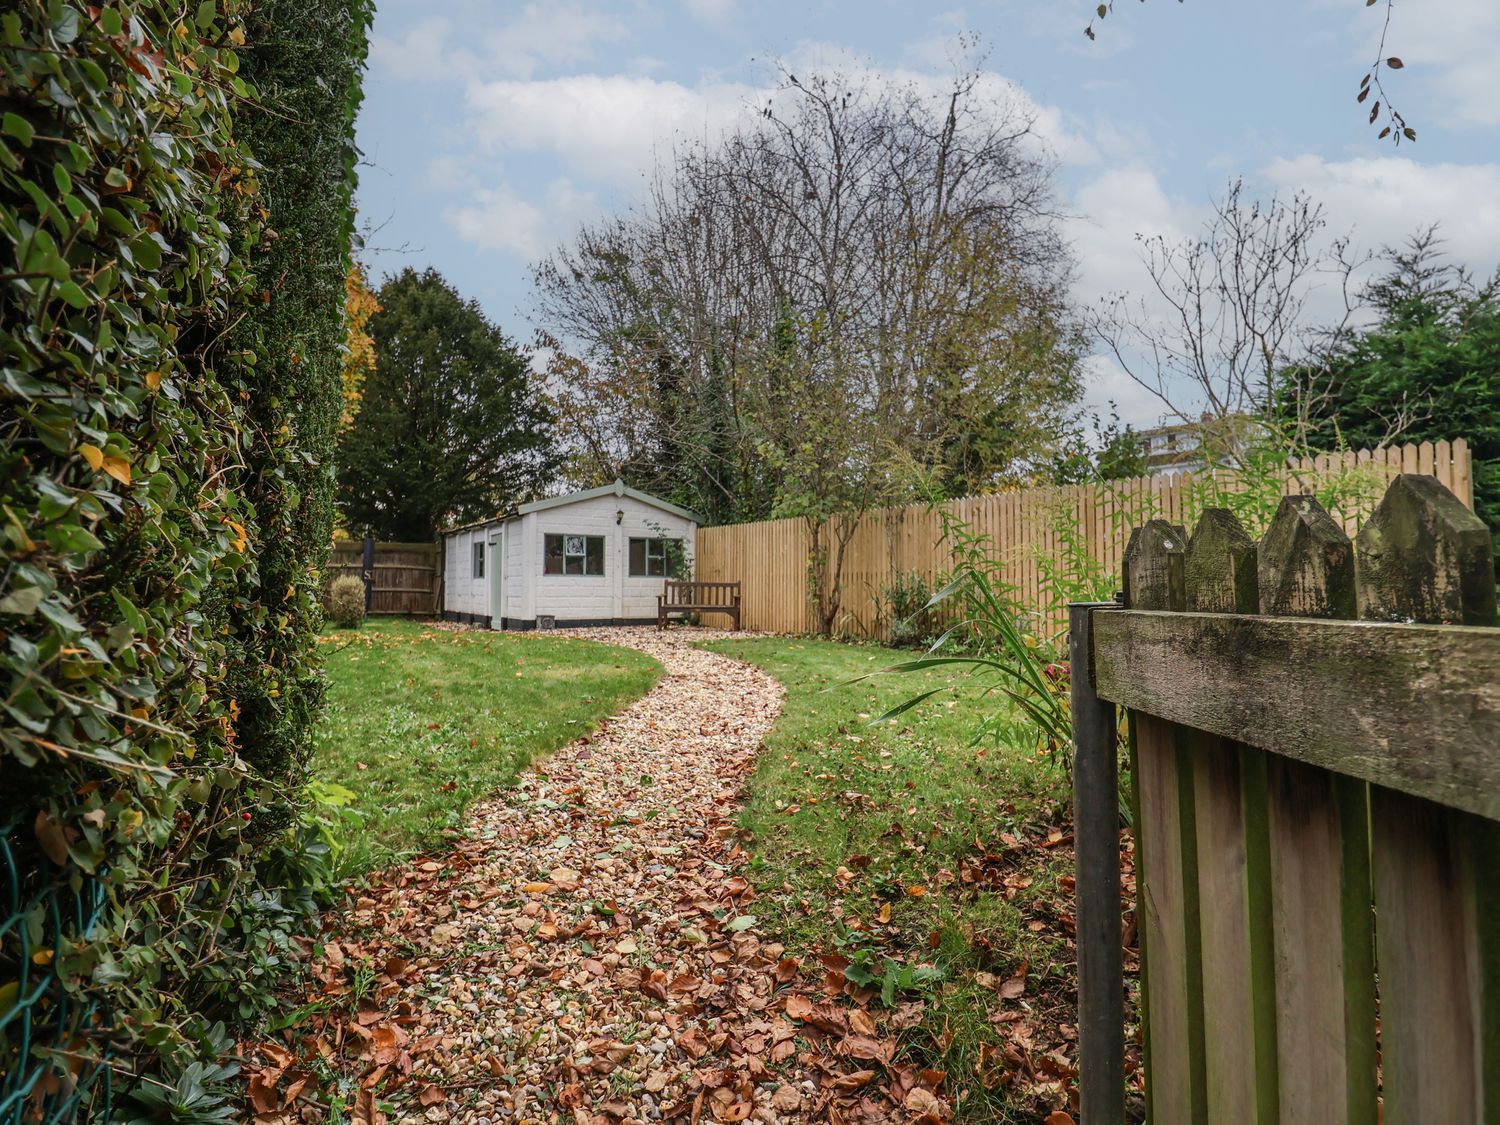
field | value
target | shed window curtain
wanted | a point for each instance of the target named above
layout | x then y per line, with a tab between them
578	555
652	558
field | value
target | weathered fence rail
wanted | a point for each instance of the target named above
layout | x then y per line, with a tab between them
1027	529
401	579
1315	752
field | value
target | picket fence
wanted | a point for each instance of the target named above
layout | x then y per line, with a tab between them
1026	529
1315	772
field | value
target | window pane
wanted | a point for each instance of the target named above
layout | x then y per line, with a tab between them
552	554
637	558
595	554
478	560
573	564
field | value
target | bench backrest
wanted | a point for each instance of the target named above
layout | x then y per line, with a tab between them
701	593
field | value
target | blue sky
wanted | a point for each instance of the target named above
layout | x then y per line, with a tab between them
490	128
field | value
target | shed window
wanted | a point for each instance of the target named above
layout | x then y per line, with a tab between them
653	558
479	560
573	554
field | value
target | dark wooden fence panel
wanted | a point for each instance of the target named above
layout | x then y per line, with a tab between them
403	580
1318	810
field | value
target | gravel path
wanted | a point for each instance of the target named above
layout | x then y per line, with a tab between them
588	954
583	923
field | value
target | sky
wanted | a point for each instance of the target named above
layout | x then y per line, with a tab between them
490	129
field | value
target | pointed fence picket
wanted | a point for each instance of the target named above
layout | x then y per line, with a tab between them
1315	757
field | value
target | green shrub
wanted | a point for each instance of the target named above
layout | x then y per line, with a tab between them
160	492
346	601
913	624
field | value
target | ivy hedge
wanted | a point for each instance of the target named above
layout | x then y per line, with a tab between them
175	209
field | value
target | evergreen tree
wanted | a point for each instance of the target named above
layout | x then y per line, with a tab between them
452	426
1427	369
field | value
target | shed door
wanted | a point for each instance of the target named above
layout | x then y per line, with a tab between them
496	572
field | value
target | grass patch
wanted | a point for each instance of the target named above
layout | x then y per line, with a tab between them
903	845
422	721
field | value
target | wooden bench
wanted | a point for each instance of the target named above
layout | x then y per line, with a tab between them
698	597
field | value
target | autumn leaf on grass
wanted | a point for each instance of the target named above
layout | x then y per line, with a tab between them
1013	987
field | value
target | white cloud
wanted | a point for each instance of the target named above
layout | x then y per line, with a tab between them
1114	212
710	11
1385	199
541	36
602	126
498	218
552	34
420	53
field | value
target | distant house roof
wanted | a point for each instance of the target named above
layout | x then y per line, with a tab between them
619	488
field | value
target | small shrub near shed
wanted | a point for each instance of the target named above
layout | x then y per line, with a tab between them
346	601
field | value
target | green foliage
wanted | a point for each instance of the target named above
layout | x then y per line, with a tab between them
306	60
1427	369
160	490
991	642
346	601
906	606
904	806
452	426
1115	453
197	1093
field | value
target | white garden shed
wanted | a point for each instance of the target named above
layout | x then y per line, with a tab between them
597	557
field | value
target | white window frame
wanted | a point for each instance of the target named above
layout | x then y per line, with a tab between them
656	552
566	536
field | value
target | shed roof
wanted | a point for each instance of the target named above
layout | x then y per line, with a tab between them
619	488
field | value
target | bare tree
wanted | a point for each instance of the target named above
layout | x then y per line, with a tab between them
865	280
1225	312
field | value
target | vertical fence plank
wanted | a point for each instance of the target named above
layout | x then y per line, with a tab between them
1318	828
1234	865
1423	556
1096	835
1166	858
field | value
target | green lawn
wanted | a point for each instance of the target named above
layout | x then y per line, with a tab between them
963	848
422	721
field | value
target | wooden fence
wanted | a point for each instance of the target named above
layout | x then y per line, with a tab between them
1030	532
1317	818
401	579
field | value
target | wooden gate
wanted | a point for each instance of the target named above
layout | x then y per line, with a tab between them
401	579
1314	728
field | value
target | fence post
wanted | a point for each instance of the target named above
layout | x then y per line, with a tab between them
367	572
1096	841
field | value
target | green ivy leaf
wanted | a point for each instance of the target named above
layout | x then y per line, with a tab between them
22	602
17	126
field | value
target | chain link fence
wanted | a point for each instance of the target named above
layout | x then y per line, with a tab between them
53	1049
